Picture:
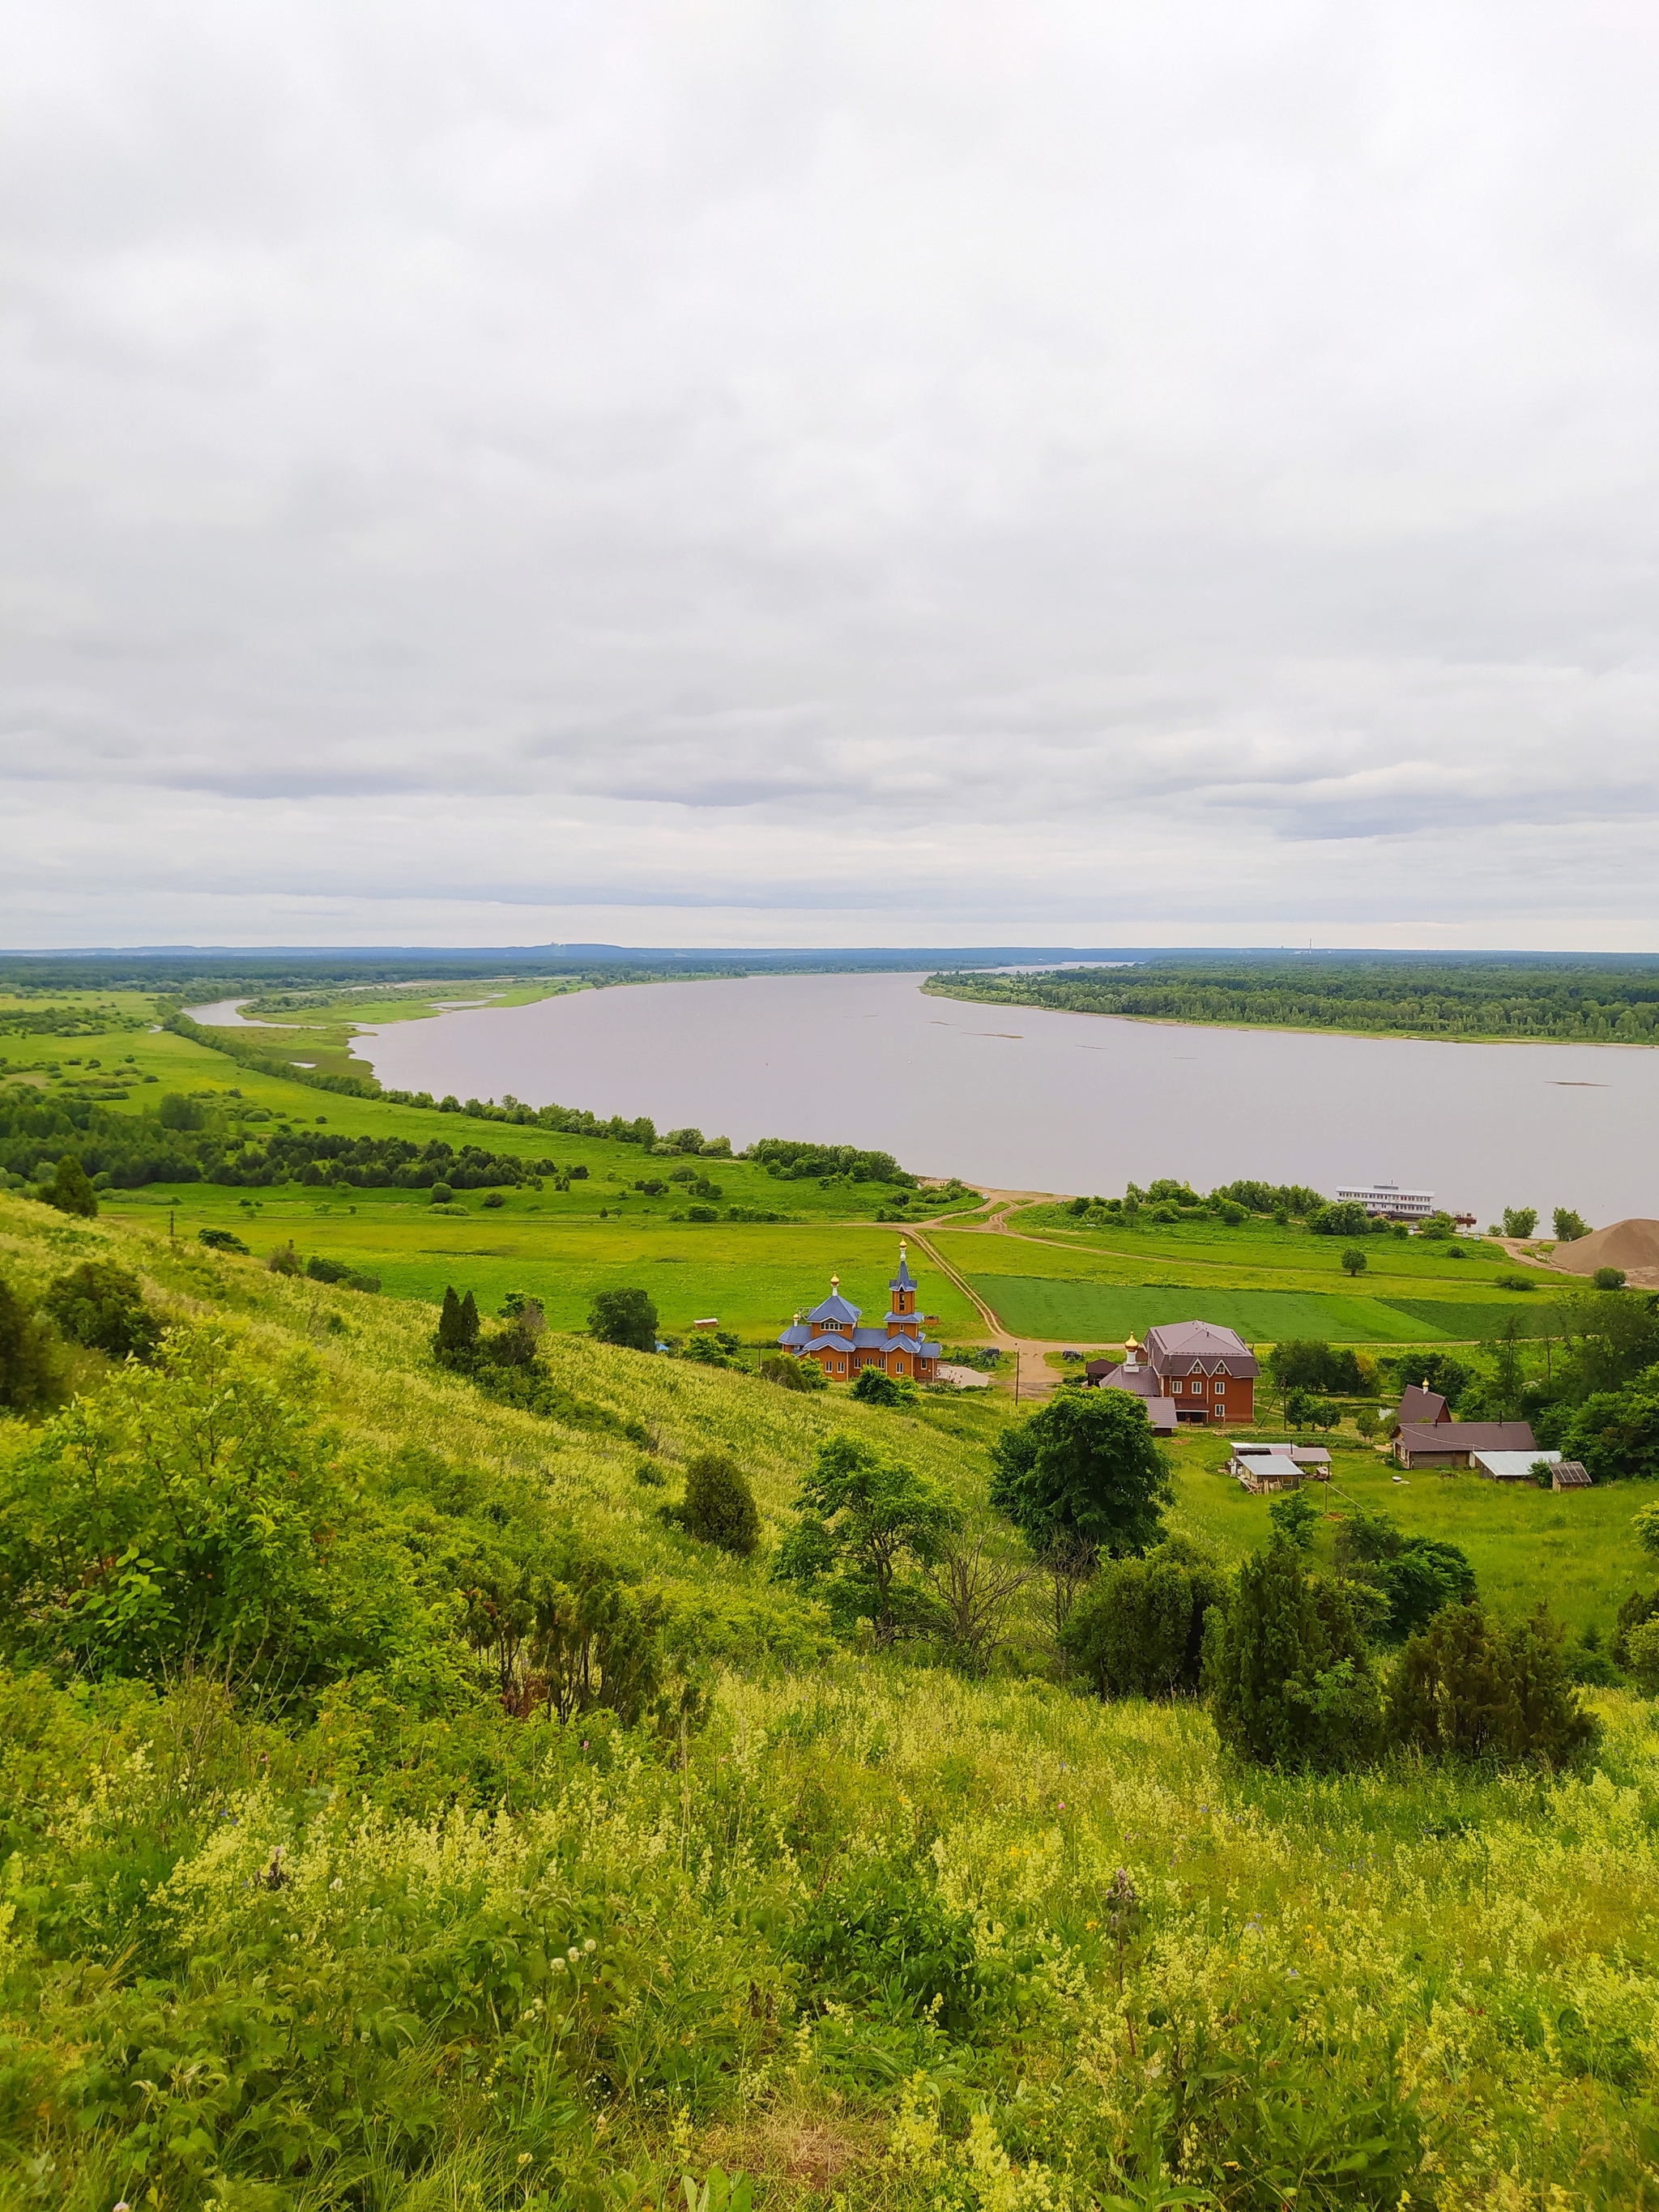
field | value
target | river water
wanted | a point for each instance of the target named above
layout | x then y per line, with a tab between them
1020	1098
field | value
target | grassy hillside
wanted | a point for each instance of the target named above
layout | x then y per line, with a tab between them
873	1933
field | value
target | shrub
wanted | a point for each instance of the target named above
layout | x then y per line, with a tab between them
791	1373
220	1240
874	1387
1471	1687
102	1305
26	1362
440	1195
1607	1278
285	1260
1289	1672
720	1505
1515	1281
702	1213
1296	1517
327	1271
1137	1631
628	1318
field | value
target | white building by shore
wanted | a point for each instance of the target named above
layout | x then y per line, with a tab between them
1388	1198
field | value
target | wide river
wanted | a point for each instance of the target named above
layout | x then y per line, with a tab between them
1019	1098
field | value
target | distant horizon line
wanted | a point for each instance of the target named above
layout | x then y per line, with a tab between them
920	955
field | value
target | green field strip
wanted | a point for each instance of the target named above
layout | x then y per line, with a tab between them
1030	1305
1485	1323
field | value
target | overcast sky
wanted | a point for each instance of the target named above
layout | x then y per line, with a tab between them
804	473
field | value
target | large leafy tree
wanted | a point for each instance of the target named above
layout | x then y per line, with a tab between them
625	1318
1290	1676
1085	1469
1616	1432
867	1522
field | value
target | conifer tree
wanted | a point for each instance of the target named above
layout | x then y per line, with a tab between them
72	1191
1291	1680
458	1328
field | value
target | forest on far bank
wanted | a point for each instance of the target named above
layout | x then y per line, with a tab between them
1590	1002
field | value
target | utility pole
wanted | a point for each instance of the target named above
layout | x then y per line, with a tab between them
1016	1375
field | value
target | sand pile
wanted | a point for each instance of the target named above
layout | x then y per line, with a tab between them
1632	1245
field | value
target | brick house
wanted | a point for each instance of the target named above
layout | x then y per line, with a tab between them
831	1336
1196	1369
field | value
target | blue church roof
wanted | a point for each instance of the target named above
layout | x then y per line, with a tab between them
904	1280
835	1307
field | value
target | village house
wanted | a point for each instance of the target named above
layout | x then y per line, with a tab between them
1451	1444
830	1334
1187	1371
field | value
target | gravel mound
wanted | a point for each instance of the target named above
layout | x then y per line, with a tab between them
1632	1245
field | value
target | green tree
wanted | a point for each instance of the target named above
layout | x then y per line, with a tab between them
1296	1517
866	1522
26	1376
70	1189
1569	1226
175	1111
1416	1575
457	1338
1087	1469
1615	1433
102	1305
1290	1675
792	1374
1468	1687
1520	1220
1137	1631
719	1503
625	1317
1353	1260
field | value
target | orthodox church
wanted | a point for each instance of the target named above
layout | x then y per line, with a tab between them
830	1334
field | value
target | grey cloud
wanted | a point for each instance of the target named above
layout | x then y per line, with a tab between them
807	461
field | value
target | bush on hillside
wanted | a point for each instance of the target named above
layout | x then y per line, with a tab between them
1607	1278
1469	1686
102	1305
874	1387
1138	1629
1289	1667
791	1373
720	1505
220	1240
1084	1468
71	1188
627	1317
27	1369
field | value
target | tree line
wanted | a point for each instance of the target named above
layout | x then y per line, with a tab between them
1583	1003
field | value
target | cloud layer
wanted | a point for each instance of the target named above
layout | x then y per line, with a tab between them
853	473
